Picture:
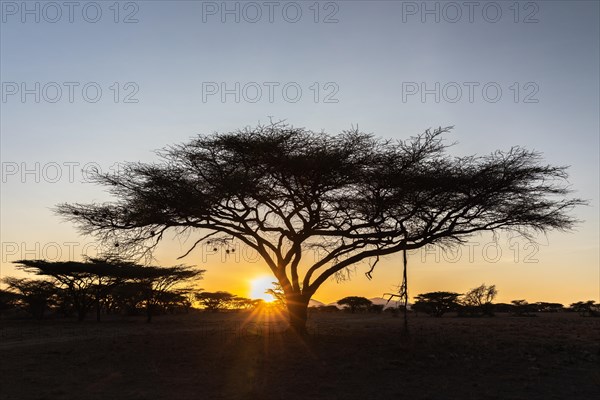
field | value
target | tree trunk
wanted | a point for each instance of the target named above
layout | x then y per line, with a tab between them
81	313
98	305
297	306
98	301
148	311
80	307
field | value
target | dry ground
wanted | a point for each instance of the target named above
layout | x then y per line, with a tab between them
217	356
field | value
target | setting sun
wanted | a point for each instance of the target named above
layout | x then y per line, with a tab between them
259	286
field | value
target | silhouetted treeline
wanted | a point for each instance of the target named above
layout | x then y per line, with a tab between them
74	289
478	302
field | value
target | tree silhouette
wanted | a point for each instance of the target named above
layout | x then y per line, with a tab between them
522	308
436	304
9	300
82	282
243	303
89	283
586	308
549	307
156	282
215	301
350	198
127	298
479	300
34	295
376	308
355	303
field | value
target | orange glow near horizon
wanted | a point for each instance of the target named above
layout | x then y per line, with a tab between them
564	268
258	287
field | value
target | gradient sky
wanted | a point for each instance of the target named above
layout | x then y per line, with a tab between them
370	57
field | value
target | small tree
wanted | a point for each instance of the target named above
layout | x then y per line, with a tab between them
436	304
8	300
127	298
215	301
549	307
84	282
173	301
355	303
586	308
478	301
328	308
243	303
522	308
89	283
34	295
376	308
157	282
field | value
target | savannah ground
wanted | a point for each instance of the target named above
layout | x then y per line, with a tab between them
361	356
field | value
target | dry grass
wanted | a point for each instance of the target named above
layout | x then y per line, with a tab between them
217	356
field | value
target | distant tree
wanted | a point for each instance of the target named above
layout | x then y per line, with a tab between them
376	308
34	295
478	301
393	311
8	300
549	307
89	283
85	283
355	303
504	308
586	308
436	304
243	303
328	308
172	301
215	301
157	283
127	298
284	191
522	308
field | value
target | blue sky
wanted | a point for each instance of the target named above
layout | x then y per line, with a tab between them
365	62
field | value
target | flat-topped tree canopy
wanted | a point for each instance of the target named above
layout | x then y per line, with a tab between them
283	190
83	279
105	268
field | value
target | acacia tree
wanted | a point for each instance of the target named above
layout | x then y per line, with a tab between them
9	300
479	300
436	304
522	308
355	303
586	308
34	295
156	283
215	301
88	283
351	198
85	283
